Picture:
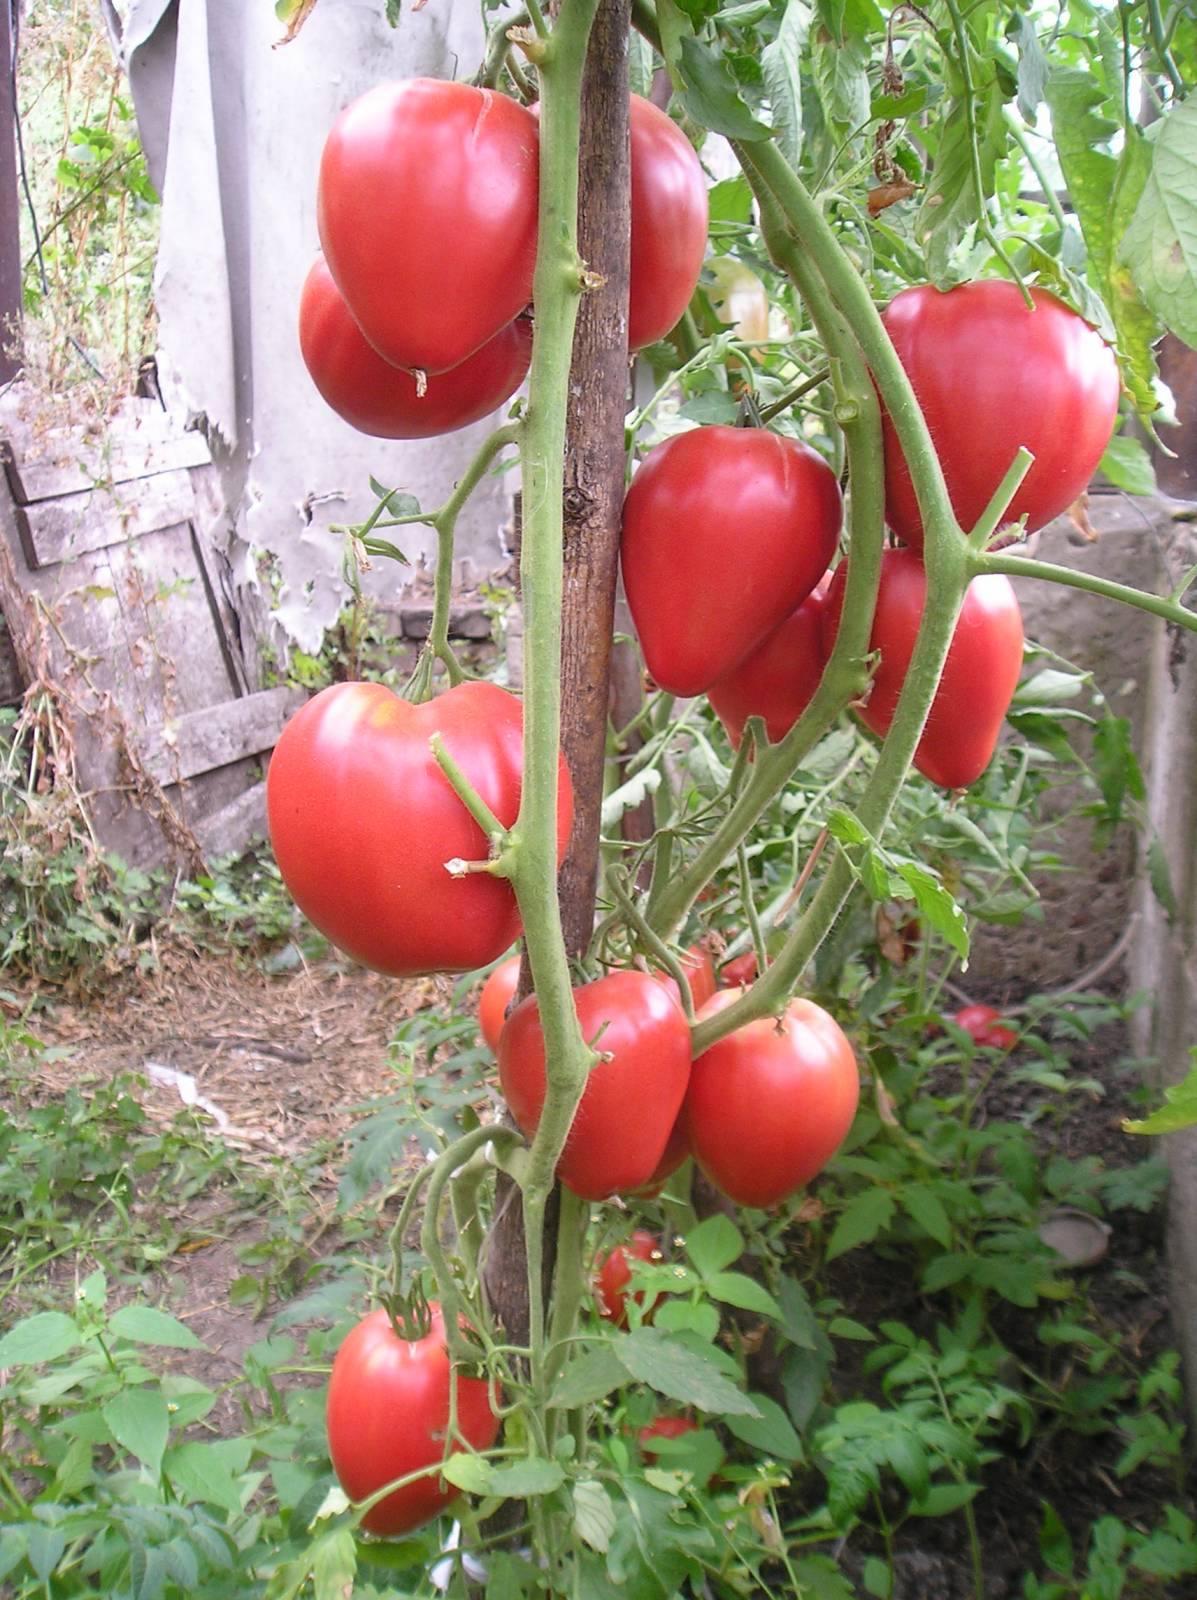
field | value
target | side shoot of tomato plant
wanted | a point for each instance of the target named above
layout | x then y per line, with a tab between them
962	417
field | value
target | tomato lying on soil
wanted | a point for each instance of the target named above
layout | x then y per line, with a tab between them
980	674
985	1027
630	1102
725	532
615	1273
388	1414
769	1105
427	209
376	398
363	820
663	1428
992	375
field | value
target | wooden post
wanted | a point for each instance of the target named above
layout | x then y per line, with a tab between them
10	214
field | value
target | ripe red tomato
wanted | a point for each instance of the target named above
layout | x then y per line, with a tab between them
363	820
778	679
388	1413
615	1273
696	963
677	1150
979	675
663	1428
741	969
630	1102
669	223
769	1105
725	532
376	398
426	204
985	1027
496	997
992	375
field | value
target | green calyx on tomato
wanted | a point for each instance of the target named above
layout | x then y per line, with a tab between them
979	676
388	1416
383	400
725	532
363	821
770	1104
427	209
644	1041
991	375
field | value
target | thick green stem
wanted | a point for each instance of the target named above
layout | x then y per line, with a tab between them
558	284
569	1284
1026	567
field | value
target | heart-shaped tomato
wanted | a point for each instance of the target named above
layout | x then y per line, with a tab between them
426	205
979	675
778	680
725	531
632	1097
376	398
363	820
769	1105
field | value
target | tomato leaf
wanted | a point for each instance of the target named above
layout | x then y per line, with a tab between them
925	1206
675	1370
334	1565
1128	466
780	67
951	201
1160	246
714	1244
772	1433
1179	1109
936	905
594	1515
737	1289
865	1215
588	1379
629	795
710	94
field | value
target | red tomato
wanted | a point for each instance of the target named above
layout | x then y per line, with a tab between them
778	679
387	1414
496	997
363	820
985	1027
630	1102
979	675
615	1273
725	532
696	963
992	375
741	969
677	1150
376	398
769	1105
426	205
663	1428
669	223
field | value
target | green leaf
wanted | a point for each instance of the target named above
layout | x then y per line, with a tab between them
1032	68
673	1369
44	1550
139	1421
905	1453
737	1289
629	795
1055	1545
849	1328
334	1565
710	94
936	905
398	502
1160	246
594	1514
1128	466
1159	874
146	1325
941	1499
515	1480
1115	765
714	1244
208	1471
925	1207
589	1378
797	1314
772	1433
1179	1109
780	67
730	200
42	1337
951	203
865	1215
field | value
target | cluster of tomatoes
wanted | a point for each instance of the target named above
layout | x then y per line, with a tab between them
728	532
413	322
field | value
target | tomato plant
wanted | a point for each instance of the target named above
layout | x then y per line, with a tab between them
985	1027
377	398
388	1416
644	1041
769	1104
427	210
980	673
663	1428
614	1273
777	680
992	375
363	821
725	532
699	969
496	996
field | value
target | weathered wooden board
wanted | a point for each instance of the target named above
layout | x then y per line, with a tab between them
131	457
69	526
220	734
235	824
